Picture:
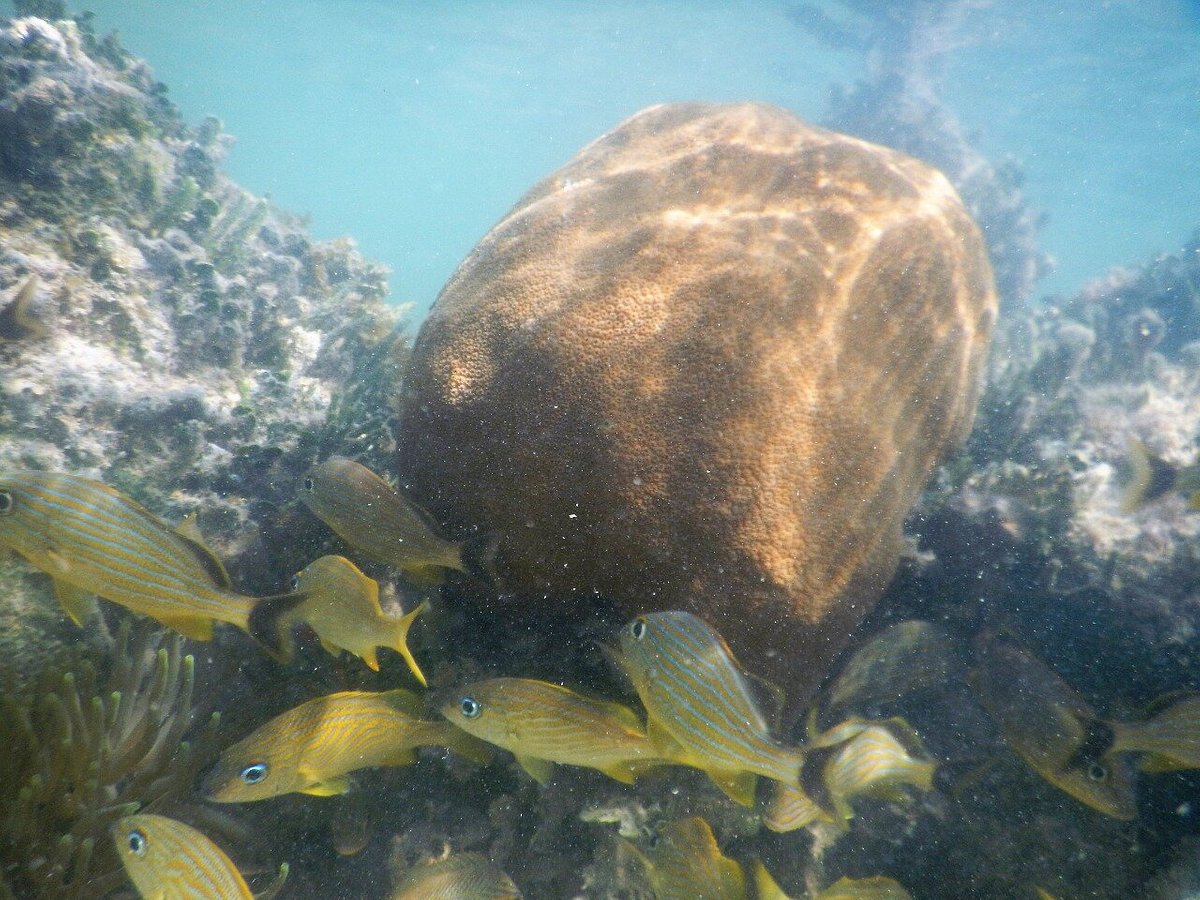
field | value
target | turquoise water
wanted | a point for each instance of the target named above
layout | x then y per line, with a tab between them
412	127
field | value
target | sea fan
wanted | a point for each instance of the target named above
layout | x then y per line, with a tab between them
81	749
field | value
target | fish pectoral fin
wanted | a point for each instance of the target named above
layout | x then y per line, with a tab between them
334	650
738	786
76	602
330	787
59	564
667	746
540	770
198	628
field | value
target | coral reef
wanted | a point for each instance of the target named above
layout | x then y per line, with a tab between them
197	348
90	743
677	375
897	104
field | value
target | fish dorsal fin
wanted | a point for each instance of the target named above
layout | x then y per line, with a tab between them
405	701
212	565
189	527
540	770
76	602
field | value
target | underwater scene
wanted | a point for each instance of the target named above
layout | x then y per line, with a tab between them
640	450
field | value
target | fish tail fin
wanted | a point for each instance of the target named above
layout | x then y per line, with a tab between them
1151	477
268	624
479	556
399	640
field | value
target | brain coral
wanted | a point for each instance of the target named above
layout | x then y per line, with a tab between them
708	364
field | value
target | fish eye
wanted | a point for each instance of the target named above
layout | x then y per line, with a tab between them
637	628
470	707
308	485
254	773
6	502
137	843
1097	772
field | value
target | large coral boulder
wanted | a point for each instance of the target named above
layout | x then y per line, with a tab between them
708	364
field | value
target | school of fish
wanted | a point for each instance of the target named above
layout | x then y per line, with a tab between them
696	706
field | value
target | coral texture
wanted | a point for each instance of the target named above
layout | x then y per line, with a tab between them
708	364
193	346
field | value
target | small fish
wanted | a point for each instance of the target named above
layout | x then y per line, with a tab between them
460	876
686	863
543	723
91	539
17	317
1153	478
342	606
313	747
1169	738
857	758
877	887
1053	729
900	659
374	518
167	860
702	711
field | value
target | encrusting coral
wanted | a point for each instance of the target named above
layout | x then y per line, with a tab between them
83	748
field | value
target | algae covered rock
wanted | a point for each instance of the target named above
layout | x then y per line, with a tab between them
708	364
180	338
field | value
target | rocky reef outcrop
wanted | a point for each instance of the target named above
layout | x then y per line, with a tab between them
708	364
177	336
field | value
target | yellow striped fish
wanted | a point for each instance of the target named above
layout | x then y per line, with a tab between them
855	758
341	605
686	863
1052	728
91	539
311	748
167	860
543	723
460	876
701	709
1170	738
374	518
